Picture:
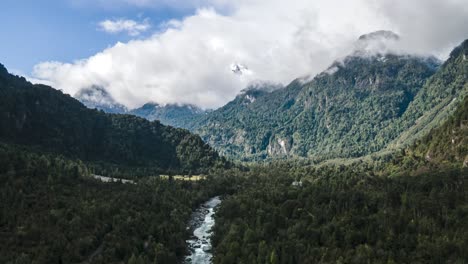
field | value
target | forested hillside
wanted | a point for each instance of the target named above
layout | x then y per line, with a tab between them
448	142
360	105
384	211
48	120
436	101
406	208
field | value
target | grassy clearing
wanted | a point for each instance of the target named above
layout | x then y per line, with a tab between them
185	177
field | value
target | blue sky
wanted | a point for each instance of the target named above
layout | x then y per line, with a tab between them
34	31
71	44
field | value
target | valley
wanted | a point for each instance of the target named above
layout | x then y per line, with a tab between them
367	162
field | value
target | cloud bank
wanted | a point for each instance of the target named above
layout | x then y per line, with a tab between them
191	60
131	27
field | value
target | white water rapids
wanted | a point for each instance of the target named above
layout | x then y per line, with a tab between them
202	223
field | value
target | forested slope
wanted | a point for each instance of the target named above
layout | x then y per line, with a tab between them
436	101
48	120
409	209
448	142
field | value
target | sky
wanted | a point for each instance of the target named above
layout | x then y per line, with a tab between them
204	52
35	31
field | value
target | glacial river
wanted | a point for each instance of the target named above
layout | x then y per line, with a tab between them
201	224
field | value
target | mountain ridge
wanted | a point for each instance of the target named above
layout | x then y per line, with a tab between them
175	115
40	117
96	97
358	106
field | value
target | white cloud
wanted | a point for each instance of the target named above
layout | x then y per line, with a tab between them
131	27
190	60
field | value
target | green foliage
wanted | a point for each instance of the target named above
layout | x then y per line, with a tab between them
408	206
399	208
52	212
343	215
44	118
436	101
448	142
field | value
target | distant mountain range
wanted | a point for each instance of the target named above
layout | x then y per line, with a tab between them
176	115
170	114
374	99
97	97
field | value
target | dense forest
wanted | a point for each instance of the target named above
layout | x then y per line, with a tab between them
46	119
338	215
53	212
398	209
448	142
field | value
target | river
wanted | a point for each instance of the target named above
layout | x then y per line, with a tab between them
201	223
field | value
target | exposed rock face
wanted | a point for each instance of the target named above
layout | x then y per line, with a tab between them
279	147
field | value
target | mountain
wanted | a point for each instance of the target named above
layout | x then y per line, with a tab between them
176	115
256	90
409	197
379	35
46	120
378	42
361	104
170	114
97	97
